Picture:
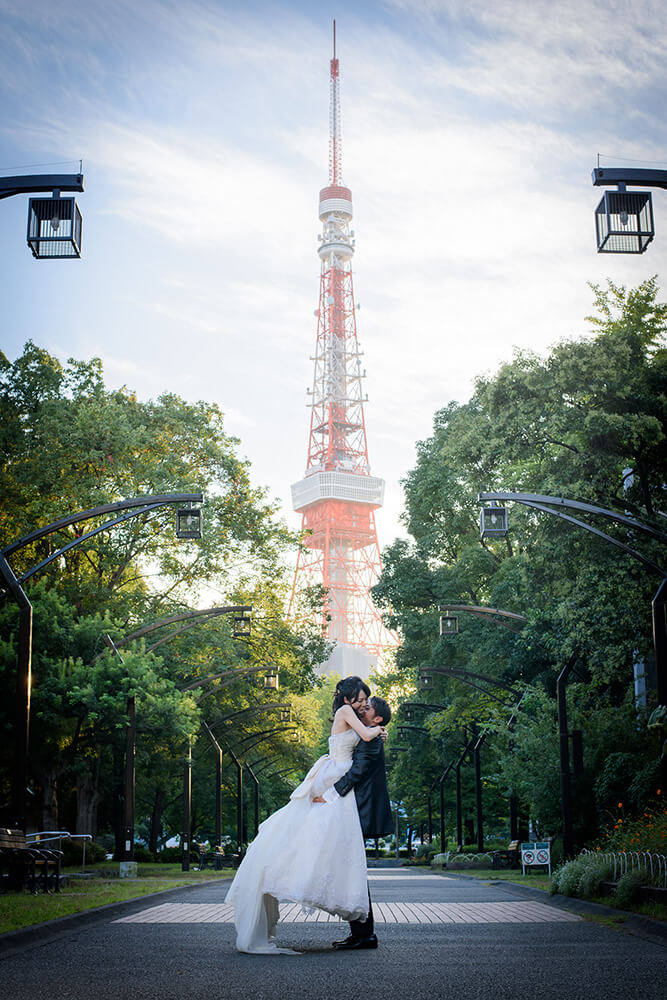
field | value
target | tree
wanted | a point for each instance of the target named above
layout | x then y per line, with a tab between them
67	443
587	422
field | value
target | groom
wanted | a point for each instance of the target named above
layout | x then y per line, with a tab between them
368	778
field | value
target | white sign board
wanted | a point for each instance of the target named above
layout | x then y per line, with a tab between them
536	853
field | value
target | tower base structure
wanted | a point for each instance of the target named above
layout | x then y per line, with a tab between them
347	660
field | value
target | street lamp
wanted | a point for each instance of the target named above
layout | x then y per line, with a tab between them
554	505
493	522
271	680
449	624
242	627
54	224
188	522
54	227
200	617
13	584
624	219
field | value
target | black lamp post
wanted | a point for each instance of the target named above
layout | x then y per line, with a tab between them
14	585
557	507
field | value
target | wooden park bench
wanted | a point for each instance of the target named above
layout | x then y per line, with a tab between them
21	864
217	860
509	858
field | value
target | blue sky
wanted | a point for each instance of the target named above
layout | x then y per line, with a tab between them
469	133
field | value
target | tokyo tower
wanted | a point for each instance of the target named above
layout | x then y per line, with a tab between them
338	496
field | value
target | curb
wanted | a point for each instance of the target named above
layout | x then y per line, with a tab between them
14	941
633	923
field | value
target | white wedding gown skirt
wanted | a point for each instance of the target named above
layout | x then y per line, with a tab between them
307	852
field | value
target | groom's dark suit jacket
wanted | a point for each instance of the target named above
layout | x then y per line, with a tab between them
368	777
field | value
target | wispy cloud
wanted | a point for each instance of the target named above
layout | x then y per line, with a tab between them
469	131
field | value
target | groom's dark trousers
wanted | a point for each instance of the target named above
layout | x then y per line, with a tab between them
364	928
368	777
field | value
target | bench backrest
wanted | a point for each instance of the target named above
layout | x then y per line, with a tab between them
514	845
12	839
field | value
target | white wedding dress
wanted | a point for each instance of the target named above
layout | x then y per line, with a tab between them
307	852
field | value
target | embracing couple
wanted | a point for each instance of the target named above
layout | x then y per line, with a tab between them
313	851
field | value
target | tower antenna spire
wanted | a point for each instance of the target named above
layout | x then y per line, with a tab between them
335	144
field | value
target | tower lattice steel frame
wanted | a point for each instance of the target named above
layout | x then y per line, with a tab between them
338	496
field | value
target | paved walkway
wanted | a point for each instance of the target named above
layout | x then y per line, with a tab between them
428	910
439	937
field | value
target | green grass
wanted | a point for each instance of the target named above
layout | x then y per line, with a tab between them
22	909
657	911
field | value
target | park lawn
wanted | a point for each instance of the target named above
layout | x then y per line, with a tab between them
22	909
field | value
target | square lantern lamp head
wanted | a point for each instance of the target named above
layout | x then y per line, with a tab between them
286	715
241	627
54	228
188	522
425	682
493	522
408	713
624	222
449	624
271	680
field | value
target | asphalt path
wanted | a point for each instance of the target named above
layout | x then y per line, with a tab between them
547	953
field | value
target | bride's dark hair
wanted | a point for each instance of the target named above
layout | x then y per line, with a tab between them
348	688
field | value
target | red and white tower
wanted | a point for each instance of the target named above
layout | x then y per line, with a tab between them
338	496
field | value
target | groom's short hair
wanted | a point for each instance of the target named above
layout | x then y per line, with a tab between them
381	708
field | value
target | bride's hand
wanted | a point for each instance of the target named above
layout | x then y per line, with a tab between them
318	798
383	734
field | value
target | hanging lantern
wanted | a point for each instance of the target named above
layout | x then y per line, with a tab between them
54	227
241	627
493	522
188	522
449	624
425	682
286	715
271	680
624	221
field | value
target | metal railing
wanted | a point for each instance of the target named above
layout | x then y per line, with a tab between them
46	836
655	865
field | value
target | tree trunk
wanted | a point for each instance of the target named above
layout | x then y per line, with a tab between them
87	800
156	821
49	782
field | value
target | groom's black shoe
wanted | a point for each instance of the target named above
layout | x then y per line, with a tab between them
356	944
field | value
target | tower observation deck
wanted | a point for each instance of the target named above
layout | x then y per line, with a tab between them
338	496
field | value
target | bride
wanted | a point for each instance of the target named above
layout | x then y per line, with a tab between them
307	852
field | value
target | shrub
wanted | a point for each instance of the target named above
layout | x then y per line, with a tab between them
592	875
172	855
142	853
566	878
627	886
581	876
73	852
